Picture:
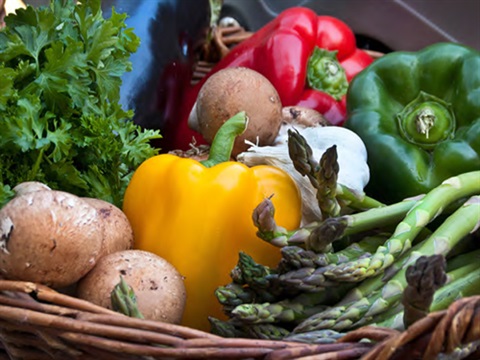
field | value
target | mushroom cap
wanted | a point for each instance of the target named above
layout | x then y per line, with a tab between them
236	89
158	286
49	237
117	231
29	186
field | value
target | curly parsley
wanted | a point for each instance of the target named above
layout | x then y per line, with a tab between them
60	118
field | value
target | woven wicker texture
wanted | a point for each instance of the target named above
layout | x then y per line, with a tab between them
39	323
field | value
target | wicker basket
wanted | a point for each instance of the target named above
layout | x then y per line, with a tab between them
39	323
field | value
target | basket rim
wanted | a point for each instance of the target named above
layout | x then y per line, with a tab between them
70	325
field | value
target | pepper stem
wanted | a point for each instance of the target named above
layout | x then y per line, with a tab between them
427	121
222	144
324	73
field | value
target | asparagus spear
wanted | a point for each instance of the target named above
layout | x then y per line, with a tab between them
124	300
316	337
265	331
233	294
302	158
423	278
463	286
311	279
291	309
234	329
327	176
423	212
248	272
260	280
460	260
344	316
328	230
285	311
462	281
296	257
225	329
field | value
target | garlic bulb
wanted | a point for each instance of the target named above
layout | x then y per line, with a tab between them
352	159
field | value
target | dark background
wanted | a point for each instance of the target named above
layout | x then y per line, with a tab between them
397	24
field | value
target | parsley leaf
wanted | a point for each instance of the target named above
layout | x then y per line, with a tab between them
61	67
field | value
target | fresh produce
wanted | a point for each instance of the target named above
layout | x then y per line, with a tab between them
54	238
418	114
158	286
351	156
230	91
303	116
197	215
29	186
325	58
292	249
61	68
424	278
349	268
415	218
369	301
51	237
116	229
280	298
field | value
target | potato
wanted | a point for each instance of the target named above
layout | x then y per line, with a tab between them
47	236
158	286
230	91
117	231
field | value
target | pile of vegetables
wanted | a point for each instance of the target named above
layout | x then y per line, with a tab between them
352	221
197	215
309	59
83	246
291	227
68	152
61	122
349	269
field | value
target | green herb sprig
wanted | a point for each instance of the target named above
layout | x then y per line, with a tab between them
60	118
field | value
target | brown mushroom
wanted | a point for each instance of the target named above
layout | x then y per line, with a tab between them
50	237
158	286
117	231
230	91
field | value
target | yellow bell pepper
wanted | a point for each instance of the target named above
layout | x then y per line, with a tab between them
199	218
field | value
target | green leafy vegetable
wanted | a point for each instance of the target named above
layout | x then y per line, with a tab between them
60	118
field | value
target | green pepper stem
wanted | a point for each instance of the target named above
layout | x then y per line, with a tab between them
427	121
222	144
324	73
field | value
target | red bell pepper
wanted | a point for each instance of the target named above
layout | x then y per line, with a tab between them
310	60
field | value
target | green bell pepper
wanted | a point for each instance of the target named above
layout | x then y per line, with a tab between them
418	114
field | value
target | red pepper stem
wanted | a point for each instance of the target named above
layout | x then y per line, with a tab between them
222	144
324	73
